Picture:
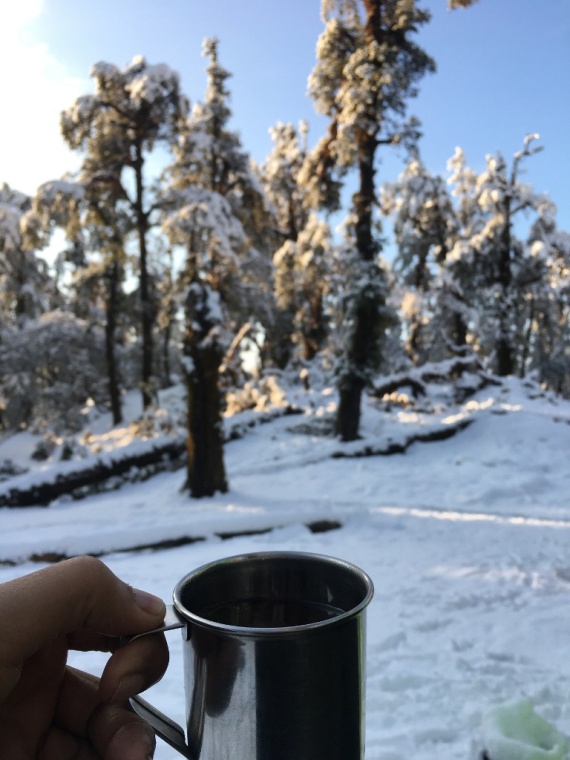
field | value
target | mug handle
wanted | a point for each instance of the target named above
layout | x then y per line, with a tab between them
164	727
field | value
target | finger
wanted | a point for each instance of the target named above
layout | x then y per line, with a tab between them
134	668
26	716
75	594
116	734
119	734
59	745
81	720
78	699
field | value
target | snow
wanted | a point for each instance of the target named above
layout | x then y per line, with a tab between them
209	213
467	541
151	83
50	191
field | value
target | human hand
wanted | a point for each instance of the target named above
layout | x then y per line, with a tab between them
49	711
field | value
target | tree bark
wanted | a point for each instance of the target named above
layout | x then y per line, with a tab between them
362	339
110	326
206	470
362	342
203	356
166	336
147	312
313	330
504	350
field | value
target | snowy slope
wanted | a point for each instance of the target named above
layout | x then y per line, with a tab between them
467	541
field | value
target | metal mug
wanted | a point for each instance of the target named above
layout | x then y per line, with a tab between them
274	659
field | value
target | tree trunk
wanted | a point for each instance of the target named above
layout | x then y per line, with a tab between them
348	412
147	312
110	325
166	336
362	340
202	359
526	348
504	349
459	329
206	470
363	336
277	347
313	329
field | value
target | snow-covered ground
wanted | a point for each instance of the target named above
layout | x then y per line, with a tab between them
467	541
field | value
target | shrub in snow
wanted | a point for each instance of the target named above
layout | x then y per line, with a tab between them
48	370
8	469
43	450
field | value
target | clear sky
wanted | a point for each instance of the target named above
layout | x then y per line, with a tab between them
503	72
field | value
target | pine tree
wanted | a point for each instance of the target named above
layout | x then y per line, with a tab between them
492	257
50	358
96	229
425	228
279	175
302	263
24	279
26	292
546	344
214	209
368	67
132	111
302	282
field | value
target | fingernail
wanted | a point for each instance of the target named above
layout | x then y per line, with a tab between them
148	602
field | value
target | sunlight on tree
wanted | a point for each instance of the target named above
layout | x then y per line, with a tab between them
452	4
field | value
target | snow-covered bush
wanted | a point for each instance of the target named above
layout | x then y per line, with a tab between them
48	370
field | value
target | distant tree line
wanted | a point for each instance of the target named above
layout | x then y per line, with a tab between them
165	273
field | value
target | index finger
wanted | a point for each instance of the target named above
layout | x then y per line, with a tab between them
77	594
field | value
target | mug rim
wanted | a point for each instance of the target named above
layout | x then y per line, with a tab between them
256	632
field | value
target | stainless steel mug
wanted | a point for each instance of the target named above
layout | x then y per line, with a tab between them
274	659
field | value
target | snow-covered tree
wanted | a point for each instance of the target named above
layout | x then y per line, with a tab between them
36	384
48	370
213	209
302	282
279	175
96	229
132	110
24	277
546	344
303	261
490	254
425	228
368	67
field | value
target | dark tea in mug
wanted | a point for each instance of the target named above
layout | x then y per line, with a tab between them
269	613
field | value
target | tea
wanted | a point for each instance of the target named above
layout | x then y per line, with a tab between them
269	613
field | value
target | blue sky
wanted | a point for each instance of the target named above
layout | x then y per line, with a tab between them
503	72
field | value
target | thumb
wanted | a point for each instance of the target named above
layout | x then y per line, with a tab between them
74	595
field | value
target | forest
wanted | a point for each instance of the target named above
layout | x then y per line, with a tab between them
173	257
